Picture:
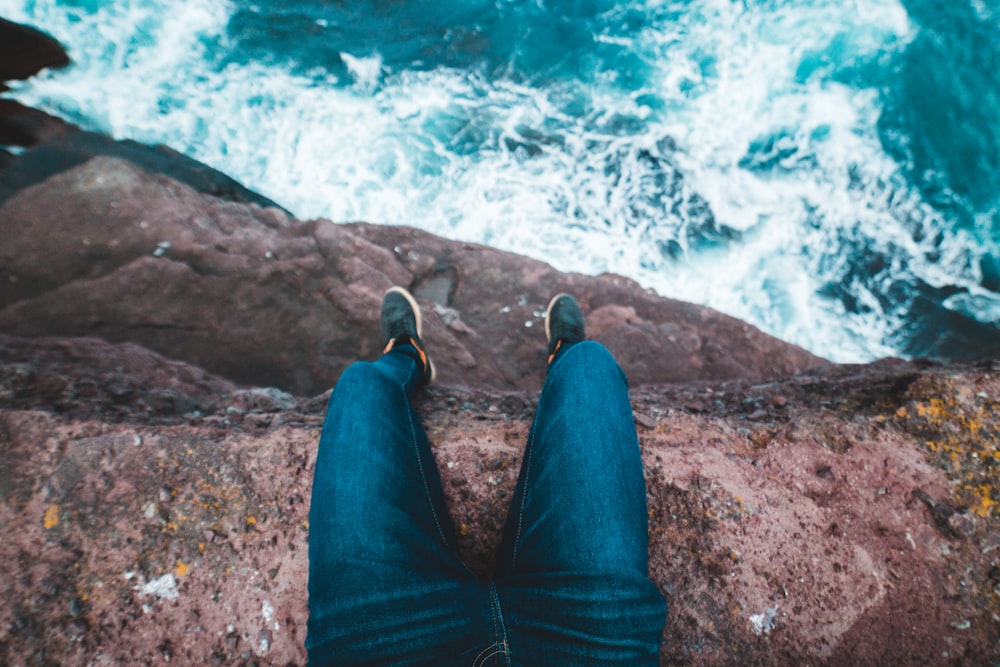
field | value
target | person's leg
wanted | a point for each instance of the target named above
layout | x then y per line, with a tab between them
573	570
386	584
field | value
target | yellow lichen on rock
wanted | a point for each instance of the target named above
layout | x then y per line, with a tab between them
959	431
51	519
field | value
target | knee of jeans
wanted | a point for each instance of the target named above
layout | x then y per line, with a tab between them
589	357
362	375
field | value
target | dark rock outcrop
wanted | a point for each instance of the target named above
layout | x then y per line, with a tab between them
84	376
106	250
24	126
56	146
25	51
56	149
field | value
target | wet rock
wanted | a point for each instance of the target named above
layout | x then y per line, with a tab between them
57	147
24	51
24	126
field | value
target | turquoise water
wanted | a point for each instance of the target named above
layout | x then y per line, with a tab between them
828	171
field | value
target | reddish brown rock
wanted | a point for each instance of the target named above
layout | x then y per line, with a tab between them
844	515
137	535
107	250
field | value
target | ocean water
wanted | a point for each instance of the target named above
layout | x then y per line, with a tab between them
826	170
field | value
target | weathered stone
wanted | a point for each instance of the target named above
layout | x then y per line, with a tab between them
262	399
156	511
107	250
133	535
24	126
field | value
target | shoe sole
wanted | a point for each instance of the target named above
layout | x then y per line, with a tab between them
416	316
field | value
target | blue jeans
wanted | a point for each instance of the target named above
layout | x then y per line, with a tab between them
386	584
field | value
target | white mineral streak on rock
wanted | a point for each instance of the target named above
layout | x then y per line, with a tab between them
763	623
164	587
267	610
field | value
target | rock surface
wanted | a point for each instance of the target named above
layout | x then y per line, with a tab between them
24	126
846	515
107	250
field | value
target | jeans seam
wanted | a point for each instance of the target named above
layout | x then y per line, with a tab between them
487	653
529	450
420	461
499	645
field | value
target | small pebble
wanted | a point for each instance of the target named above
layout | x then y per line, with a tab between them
644	420
496	463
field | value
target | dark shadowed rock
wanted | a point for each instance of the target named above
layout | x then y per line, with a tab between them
24	126
63	149
24	51
73	376
58	145
107	250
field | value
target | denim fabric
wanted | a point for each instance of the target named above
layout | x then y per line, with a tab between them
386	584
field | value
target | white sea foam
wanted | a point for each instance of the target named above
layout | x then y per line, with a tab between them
510	165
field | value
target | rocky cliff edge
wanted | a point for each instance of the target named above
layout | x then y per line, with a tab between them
166	353
164	366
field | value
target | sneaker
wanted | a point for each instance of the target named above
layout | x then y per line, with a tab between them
400	321
563	323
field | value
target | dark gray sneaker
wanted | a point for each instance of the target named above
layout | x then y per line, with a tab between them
563	323
400	321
